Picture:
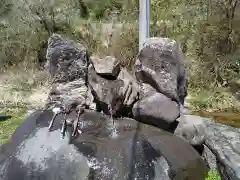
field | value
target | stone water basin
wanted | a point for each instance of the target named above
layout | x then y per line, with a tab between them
138	151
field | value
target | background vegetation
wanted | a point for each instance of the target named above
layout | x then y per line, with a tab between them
213	175
208	31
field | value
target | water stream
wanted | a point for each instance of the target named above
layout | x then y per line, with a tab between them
113	127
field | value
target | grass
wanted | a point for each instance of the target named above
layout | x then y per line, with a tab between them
8	127
213	175
24	88
20	90
218	100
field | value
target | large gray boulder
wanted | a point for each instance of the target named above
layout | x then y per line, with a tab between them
68	60
221	143
192	129
129	150
68	64
161	65
161	71
157	110
224	143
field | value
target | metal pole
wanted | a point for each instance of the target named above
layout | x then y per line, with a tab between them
144	21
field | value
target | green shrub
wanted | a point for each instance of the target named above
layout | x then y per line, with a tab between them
25	89
213	175
219	99
8	127
125	45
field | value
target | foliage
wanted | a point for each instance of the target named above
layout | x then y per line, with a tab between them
8	127
213	175
126	49
218	100
99	9
21	88
5	7
25	30
208	34
207	30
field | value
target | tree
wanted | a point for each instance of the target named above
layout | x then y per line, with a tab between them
5	7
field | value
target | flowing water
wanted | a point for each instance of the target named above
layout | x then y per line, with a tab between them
113	127
230	118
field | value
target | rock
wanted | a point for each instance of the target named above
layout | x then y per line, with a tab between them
68	60
40	154
70	94
120	93
192	129
109	66
221	143
209	158
131	87
106	92
136	151
224	142
68	64
161	71
185	110
156	109
160	64
30	111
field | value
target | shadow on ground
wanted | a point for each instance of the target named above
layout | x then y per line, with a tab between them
4	118
234	87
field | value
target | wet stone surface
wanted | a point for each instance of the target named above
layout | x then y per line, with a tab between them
221	143
224	142
137	151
